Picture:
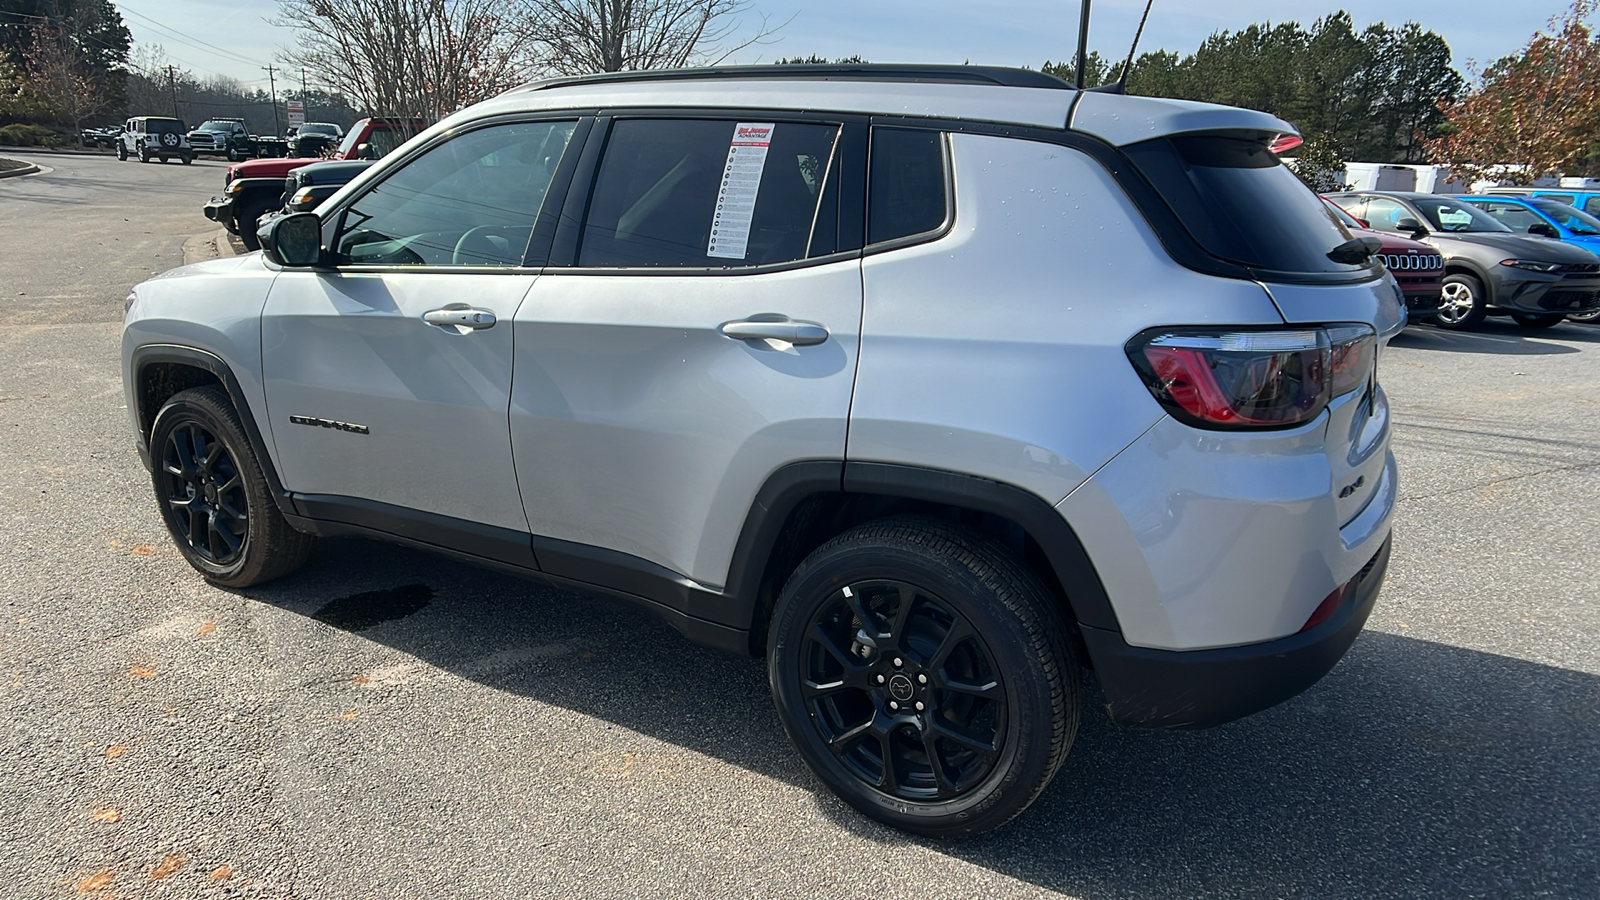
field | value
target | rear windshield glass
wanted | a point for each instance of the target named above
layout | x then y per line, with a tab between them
1576	220
1241	204
162	126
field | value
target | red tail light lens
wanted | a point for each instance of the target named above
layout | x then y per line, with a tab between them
1353	350
1234	379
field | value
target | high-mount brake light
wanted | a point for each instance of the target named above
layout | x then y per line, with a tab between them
1244	380
1283	143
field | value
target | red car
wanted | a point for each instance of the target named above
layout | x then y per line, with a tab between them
1418	267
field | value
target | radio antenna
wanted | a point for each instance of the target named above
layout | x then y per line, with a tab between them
1083	47
1128	65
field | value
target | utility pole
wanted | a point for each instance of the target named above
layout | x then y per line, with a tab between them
272	82
303	92
172	84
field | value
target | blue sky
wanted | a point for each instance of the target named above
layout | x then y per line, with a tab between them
232	37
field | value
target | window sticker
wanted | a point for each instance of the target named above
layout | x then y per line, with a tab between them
736	198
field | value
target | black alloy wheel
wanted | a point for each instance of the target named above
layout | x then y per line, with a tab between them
214	496
207	506
904	692
925	675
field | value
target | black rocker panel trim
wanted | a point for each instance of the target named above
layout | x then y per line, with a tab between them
489	542
1085	592
150	354
511	551
627	574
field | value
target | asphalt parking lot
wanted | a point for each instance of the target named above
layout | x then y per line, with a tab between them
387	724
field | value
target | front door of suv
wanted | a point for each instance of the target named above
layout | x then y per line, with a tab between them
701	332
388	376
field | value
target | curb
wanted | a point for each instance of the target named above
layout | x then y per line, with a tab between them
29	169
210	245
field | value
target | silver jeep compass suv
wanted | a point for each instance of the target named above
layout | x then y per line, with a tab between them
936	385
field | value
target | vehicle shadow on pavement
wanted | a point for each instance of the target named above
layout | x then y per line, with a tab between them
1414	769
1500	337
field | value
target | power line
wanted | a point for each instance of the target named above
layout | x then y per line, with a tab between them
212	49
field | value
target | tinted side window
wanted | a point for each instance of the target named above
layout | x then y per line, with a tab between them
471	201
906	185
698	193
1385	214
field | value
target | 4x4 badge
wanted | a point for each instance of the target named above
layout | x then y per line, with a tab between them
329	423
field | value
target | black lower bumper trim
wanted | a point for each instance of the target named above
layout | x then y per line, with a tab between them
1201	688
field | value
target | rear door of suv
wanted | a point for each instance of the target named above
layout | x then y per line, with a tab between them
697	329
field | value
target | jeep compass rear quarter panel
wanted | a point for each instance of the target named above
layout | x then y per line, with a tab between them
998	349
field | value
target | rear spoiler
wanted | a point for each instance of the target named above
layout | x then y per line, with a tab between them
1121	120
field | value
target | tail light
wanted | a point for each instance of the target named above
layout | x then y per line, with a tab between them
1236	379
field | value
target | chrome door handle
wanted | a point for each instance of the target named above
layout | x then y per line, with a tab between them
800	334
461	317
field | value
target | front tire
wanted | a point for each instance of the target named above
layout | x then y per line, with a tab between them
1585	317
233	155
924	675
246	220
1538	320
1462	303
214	497
122	152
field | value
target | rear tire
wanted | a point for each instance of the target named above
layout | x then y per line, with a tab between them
1538	320
925	675
213	495
1462	303
188	158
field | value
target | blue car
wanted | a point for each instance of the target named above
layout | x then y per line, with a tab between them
1546	217
1586	200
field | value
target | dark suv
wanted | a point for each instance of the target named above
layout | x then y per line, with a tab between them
1489	269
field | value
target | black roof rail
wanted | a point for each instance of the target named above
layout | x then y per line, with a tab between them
889	72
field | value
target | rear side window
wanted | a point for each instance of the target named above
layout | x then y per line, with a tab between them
707	193
906	190
1241	204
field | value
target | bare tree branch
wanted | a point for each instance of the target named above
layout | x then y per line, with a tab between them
411	58
575	37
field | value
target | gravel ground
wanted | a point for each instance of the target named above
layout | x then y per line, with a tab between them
388	724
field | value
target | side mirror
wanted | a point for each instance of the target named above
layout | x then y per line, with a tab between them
1364	224
293	241
1411	226
1543	229
366	151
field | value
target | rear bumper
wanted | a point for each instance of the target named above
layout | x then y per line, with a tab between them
1199	688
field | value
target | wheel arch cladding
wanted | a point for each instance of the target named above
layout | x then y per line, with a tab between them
800	509
161	370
